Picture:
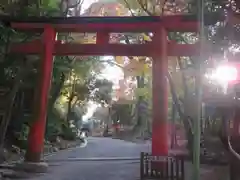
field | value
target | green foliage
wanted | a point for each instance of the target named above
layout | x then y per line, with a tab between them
221	36
68	133
48	4
102	91
81	86
63	66
143	92
122	113
75	77
54	125
22	137
133	4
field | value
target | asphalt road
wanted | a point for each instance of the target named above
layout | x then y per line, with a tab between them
102	158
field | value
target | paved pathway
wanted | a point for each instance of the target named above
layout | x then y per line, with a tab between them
67	165
84	163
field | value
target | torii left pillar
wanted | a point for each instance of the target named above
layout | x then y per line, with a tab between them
37	129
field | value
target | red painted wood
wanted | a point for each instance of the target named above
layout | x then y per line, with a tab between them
102	38
170	25
160	95
37	130
107	49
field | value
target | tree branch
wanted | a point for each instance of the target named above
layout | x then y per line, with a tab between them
164	3
80	7
112	63
129	7
176	102
144	8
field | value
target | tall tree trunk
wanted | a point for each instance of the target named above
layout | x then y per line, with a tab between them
72	94
8	113
137	130
173	127
185	119
56	92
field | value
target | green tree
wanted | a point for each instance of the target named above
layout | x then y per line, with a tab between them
182	82
24	84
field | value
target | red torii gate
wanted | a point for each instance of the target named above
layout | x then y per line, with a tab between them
159	49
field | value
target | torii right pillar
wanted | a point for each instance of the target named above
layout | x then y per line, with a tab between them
160	94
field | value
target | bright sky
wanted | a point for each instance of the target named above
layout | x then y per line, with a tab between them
87	3
112	73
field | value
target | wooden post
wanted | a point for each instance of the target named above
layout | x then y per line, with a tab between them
160	94
234	162
37	130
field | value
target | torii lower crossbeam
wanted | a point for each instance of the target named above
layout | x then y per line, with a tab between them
75	49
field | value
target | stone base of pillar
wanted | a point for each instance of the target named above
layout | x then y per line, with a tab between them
16	175
24	170
40	167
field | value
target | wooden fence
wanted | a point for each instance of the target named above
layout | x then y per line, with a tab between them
161	167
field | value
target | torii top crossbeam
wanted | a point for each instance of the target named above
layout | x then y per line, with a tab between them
184	23
105	25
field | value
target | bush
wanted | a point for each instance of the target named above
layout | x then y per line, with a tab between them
21	138
22	144
53	127
68	134
56	126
